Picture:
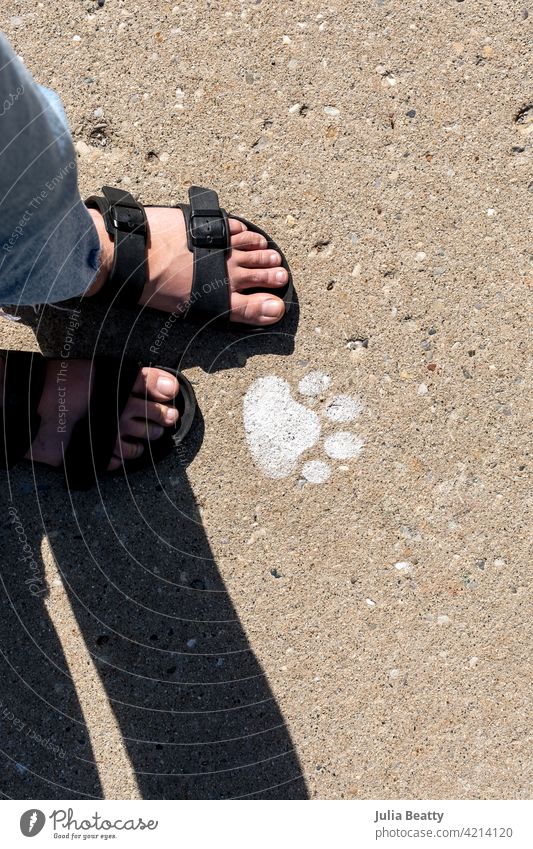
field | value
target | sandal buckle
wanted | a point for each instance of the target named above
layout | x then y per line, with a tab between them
208	229
128	219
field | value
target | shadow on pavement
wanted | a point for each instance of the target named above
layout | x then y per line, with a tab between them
77	328
196	717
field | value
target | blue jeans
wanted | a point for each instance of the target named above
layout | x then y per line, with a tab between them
49	246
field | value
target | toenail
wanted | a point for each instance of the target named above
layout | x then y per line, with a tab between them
271	308
165	385
280	276
156	431
274	259
171	415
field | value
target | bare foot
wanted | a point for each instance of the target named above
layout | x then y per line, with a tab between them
170	268
148	411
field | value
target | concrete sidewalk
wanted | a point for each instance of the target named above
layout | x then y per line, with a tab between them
232	627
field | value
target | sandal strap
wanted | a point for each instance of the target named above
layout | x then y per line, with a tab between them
24	376
208	238
93	438
126	223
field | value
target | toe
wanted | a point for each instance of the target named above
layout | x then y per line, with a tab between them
151	411
114	464
127	450
122	452
257	259
236	226
259	278
140	419
249	241
259	308
139	429
156	384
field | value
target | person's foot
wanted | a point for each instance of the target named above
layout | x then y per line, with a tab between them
170	268
148	411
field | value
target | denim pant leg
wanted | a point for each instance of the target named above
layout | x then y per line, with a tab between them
49	246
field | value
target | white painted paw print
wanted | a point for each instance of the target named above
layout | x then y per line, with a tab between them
280	430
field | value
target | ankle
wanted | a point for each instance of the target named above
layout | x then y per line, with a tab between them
106	254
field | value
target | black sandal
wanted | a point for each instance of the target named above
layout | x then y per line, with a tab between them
208	238
93	438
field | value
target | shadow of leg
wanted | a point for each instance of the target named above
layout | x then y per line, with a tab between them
45	749
195	710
